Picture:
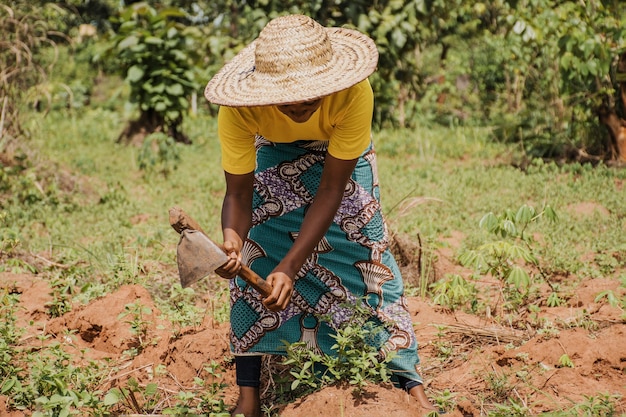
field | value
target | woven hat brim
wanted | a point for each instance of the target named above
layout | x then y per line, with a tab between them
238	84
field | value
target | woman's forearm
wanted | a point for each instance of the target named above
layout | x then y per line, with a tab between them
319	215
237	207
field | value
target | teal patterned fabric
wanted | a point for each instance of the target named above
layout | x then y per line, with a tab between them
351	263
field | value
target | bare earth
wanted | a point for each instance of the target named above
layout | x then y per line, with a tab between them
488	363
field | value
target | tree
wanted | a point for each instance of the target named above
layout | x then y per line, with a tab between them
156	53
23	34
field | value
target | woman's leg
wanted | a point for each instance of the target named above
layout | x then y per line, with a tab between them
416	390
248	373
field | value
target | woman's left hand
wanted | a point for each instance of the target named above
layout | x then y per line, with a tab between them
282	288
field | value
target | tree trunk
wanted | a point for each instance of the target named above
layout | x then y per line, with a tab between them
609	117
150	122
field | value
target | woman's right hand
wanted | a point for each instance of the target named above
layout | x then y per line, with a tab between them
231	268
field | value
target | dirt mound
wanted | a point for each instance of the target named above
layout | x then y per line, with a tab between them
373	401
576	354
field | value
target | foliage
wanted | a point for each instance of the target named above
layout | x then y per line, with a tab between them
43	381
559	69
355	359
454	291
136	315
206	397
181	309
159	153
505	258
157	54
23	34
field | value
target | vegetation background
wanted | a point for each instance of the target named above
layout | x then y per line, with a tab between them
497	123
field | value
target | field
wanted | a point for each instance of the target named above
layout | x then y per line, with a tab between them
90	292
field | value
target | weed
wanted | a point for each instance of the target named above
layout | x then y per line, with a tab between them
181	310
445	348
505	258
62	292
445	400
453	291
139	326
554	300
611	298
600	405
498	385
355	360
206	396
510	409
565	361
159	154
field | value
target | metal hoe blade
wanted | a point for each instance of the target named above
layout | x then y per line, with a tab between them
197	256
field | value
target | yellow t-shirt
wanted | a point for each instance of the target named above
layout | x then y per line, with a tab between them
344	120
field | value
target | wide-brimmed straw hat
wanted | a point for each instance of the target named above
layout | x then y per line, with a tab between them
293	60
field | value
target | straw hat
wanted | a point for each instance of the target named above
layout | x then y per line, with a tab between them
293	60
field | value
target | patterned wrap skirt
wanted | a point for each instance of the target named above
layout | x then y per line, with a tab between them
352	263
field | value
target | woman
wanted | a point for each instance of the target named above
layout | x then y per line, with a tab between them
301	204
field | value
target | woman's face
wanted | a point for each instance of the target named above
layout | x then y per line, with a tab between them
300	112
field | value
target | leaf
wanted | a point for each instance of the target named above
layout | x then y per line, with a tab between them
524	215
131	40
550	213
134	73
519	27
111	398
151	388
518	277
175	89
153	40
8	384
509	228
489	222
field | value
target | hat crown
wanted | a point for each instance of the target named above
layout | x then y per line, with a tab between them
292	45
294	60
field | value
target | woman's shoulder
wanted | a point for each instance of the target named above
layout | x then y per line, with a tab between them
360	89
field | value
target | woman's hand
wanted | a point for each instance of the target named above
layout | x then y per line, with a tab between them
282	289
231	268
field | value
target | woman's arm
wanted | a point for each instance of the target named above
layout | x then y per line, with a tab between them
318	219
236	220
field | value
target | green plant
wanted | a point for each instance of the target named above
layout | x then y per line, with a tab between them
62	292
139	326
180	308
212	389
134	397
505	257
206	396
610	297
445	400
602	404
10	333
355	359
53	386
565	361
445	348
499	385
158	154
156	53
454	291
511	409
554	299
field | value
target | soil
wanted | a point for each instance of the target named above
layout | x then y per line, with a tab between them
473	361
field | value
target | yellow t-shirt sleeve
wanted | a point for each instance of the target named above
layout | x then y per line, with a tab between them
236	142
352	131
